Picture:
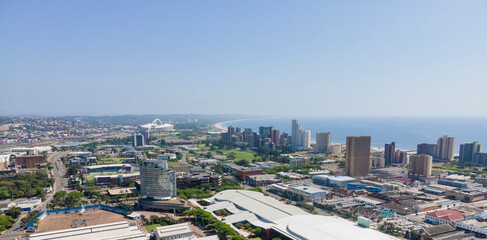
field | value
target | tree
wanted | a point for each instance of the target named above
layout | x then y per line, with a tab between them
74	199
13	212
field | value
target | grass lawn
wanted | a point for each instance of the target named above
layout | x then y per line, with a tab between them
239	155
149	228
172	163
203	147
112	160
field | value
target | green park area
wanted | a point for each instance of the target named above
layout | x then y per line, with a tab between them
237	155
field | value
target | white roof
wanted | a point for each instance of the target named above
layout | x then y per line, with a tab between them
164	231
326	227
267	208
110	231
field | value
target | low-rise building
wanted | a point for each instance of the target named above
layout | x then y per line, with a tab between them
262	180
30	161
333	181
467	195
108	168
117	179
173	232
450	216
191	180
242	173
306	193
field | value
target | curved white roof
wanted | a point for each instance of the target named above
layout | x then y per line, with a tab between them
326	227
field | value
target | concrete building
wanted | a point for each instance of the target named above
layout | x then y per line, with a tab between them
294	162
335	149
450	216
275	138
420	165
400	157
296	132
157	182
306	194
285	221
262	180
138	139
173	232
445	148
306	139
389	150
426	148
323	142
333	181
30	161
357	156
468	151
112	231
108	168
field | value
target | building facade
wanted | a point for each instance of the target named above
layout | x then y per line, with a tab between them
156	181
357	159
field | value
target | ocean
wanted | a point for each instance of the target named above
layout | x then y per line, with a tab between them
406	132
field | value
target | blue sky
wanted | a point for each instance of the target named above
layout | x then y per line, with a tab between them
292	58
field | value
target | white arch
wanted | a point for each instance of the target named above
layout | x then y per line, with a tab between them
156	120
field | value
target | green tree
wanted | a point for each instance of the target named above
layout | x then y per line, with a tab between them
13	212
74	199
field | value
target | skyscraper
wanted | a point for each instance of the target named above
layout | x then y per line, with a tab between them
275	137
420	165
323	142
426	148
306	139
296	127
389	150
445	148
357	158
156	181
468	151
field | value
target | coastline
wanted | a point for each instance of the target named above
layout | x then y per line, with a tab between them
219	125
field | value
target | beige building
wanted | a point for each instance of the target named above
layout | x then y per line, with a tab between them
420	165
445	148
357	159
323	142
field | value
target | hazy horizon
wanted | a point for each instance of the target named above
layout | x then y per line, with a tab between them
272	58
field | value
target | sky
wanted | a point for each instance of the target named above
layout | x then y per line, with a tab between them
273	58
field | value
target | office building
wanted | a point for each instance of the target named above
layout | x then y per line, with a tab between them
468	151
138	139
389	150
445	148
357	158
301	139
426	148
323	142
275	138
156	180
420	165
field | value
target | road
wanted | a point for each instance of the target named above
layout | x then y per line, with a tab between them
59	185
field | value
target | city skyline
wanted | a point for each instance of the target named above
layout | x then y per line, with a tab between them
115	58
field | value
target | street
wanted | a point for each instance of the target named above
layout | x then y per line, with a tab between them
59	185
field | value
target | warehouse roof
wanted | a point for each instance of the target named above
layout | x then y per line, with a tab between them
325	227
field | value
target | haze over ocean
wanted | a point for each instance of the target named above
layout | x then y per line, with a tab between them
406	132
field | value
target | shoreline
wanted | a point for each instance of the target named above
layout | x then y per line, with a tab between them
220	127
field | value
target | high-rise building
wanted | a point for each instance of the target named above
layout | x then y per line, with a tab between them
138	139
306	139
426	148
420	165
156	180
468	151
357	158
275	138
323	142
400	157
445	148
296	128
389	150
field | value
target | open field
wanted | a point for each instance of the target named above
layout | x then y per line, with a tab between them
64	221
239	155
